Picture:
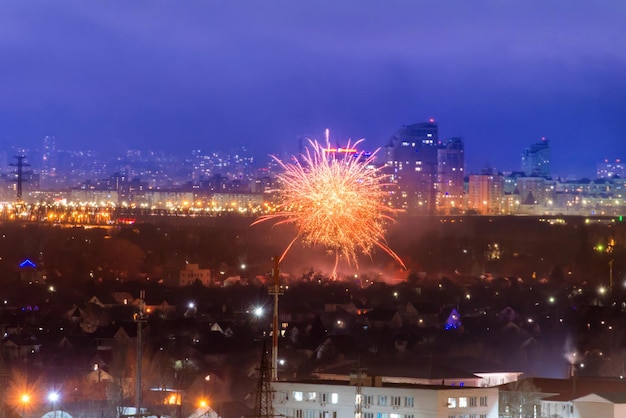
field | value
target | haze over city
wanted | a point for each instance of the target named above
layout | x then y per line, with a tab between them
158	199
206	75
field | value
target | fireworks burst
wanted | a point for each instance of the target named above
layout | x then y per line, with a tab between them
335	201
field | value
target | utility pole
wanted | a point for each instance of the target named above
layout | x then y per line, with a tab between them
139	319
276	292
611	274
358	405
19	172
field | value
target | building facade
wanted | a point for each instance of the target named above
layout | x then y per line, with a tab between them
486	193
536	159
427	175
193	272
450	191
373	399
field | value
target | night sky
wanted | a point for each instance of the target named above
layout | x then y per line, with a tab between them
182	75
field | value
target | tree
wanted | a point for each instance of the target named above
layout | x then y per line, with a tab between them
520	399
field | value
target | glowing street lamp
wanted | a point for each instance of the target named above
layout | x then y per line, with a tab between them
53	397
24	401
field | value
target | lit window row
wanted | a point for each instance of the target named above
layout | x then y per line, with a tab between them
464	402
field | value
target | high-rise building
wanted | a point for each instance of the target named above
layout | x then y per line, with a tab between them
450	176
486	192
536	159
48	160
411	162
609	169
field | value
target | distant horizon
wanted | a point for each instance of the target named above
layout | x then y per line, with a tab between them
114	75
266	157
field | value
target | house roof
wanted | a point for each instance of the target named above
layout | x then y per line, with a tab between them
409	368
614	397
381	314
426	307
570	389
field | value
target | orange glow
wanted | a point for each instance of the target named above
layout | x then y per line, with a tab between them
337	203
173	399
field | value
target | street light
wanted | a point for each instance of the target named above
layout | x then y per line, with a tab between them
53	398
24	400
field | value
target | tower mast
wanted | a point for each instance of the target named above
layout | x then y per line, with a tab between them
263	407
19	171
276	292
140	319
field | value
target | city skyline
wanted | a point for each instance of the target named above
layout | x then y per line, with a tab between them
208	75
46	156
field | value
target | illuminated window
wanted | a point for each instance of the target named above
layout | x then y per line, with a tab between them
311	396
463	402
334	398
297	396
451	402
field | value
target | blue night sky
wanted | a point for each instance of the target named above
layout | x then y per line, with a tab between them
179	75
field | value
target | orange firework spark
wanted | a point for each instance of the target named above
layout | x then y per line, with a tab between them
336	201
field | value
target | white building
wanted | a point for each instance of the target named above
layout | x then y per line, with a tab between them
340	399
95	197
565	398
426	372
193	272
600	405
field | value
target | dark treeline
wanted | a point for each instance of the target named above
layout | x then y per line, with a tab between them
471	246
